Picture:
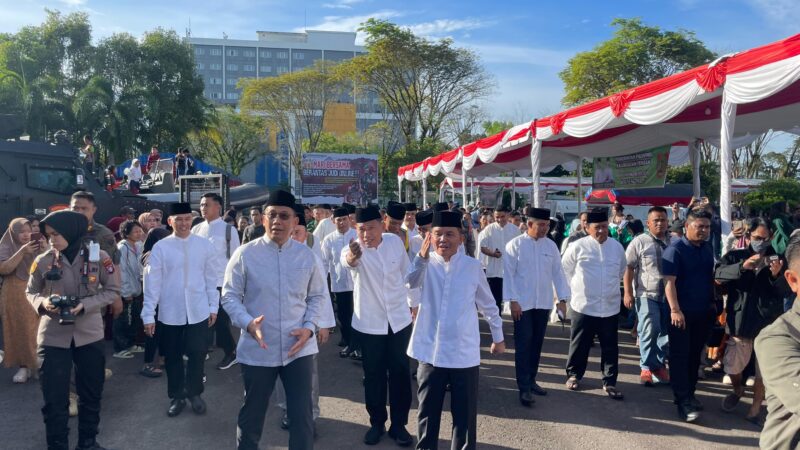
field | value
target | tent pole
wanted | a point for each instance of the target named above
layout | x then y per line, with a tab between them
472	191
453	195
514	190
579	171
536	161
694	158
727	124
424	192
463	187
400	190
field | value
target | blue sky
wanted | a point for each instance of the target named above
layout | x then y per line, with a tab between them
524	44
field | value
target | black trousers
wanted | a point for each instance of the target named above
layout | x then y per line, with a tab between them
123	328
385	361
685	349
529	333
463	405
584	329
258	385
222	328
152	343
344	312
54	376
184	380
496	286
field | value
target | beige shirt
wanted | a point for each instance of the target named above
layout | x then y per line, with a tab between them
101	287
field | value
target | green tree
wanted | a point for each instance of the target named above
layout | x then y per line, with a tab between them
774	191
492	127
230	140
635	55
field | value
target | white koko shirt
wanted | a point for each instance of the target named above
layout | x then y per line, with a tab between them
323	229
380	296
495	237
180	278
215	232
594	272
532	270
332	246
446	332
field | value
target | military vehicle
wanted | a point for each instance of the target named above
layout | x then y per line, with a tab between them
38	177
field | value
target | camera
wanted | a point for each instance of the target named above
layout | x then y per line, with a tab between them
65	303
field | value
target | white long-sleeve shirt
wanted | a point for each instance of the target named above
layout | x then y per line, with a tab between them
135	173
284	284
180	278
332	246
594	272
215	232
532	271
496	237
446	332
323	229
380	296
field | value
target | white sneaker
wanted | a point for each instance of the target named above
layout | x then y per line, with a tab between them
751	381
727	380
22	375
123	354
136	349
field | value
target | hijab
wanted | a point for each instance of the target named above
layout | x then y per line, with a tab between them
10	245
72	227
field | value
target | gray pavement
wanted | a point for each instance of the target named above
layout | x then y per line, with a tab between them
134	409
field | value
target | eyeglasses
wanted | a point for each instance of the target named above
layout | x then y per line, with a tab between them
282	216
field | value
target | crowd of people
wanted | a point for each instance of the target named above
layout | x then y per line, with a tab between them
405	288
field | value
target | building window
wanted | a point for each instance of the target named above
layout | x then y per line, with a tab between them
216	95
249	68
249	53
232	81
232	96
213	80
199	51
215	66
201	66
283	55
266	54
266	69
232	52
215	52
282	70
296	55
233	67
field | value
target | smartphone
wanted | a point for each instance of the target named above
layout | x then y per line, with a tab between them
36	237
771	258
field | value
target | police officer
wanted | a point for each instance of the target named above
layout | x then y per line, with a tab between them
70	285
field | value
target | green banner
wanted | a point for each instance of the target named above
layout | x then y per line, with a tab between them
645	169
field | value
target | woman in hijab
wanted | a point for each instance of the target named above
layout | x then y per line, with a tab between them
150	369
20	321
83	281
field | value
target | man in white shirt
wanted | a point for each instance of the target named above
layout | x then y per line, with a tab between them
341	280
181	280
274	291
594	267
493	240
225	241
532	271
410	220
324	225
423	221
446	338
382	323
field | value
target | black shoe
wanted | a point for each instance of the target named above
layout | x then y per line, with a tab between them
198	405
538	390
285	421
374	434
89	444
400	435
688	412
176	406
526	399
344	353
356	355
227	362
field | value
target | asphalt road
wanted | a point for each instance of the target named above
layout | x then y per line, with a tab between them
134	409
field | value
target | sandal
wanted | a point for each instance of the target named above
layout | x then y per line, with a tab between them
150	372
613	393
572	383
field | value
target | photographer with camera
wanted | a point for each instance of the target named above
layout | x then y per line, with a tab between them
69	286
756	288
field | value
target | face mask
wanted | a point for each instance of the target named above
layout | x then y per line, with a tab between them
759	245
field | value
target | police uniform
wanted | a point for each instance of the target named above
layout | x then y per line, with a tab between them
96	285
105	237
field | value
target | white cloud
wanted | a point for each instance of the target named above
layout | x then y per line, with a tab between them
780	13
437	27
73	3
509	54
342	4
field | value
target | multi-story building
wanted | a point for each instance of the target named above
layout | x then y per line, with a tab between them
221	63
